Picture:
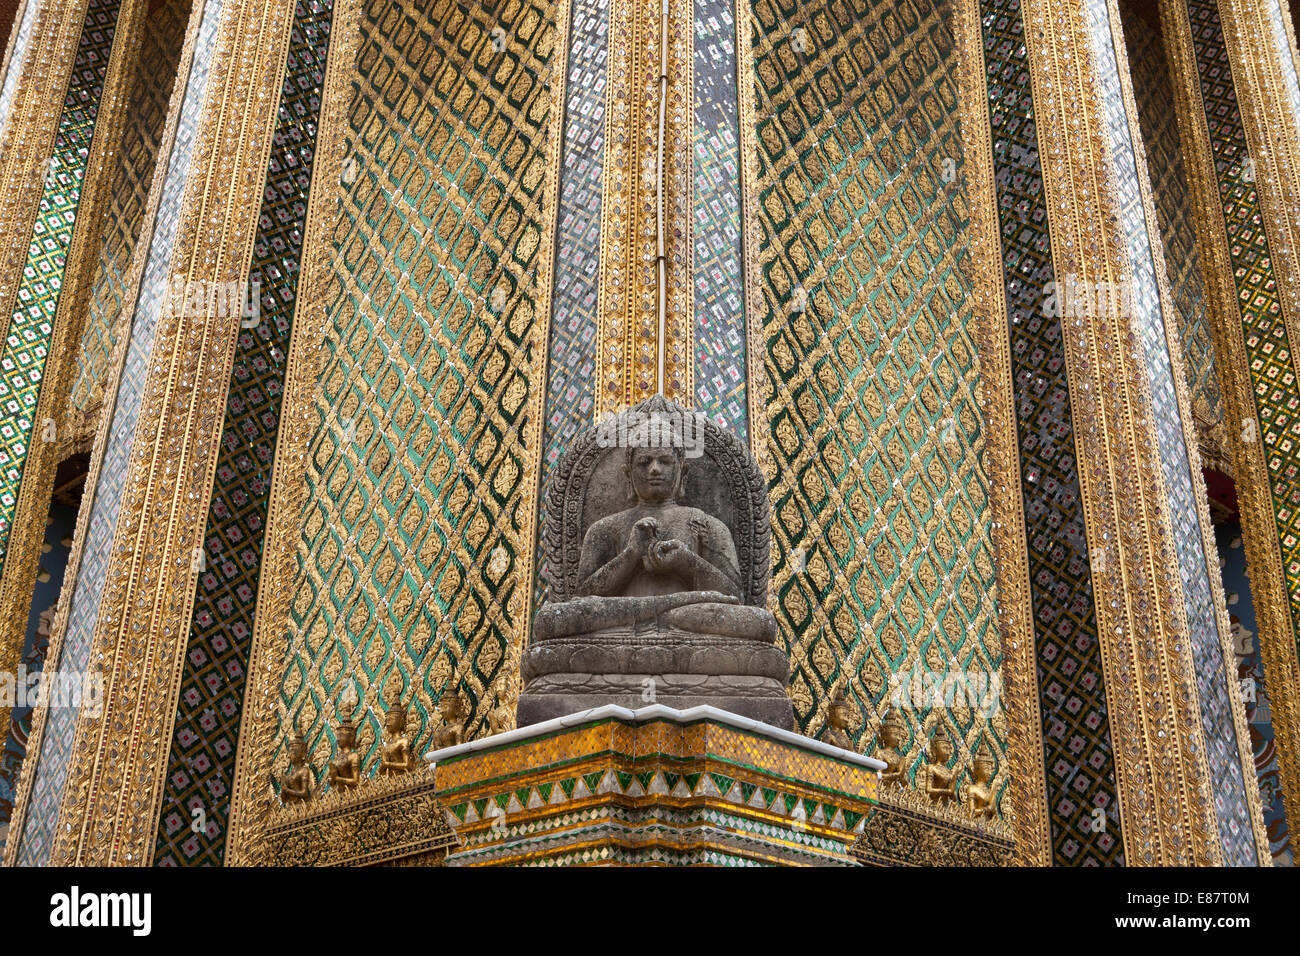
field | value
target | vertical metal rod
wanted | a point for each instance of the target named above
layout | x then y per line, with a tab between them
661	260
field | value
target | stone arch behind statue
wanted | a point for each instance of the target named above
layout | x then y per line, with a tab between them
722	479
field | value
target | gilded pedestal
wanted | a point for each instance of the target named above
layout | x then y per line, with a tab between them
655	786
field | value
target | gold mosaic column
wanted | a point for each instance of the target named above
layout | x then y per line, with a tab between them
628	334
1233	68
1062	197
109	809
56	160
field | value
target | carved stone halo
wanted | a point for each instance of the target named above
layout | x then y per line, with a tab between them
722	479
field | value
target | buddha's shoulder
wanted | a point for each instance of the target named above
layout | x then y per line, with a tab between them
619	520
695	514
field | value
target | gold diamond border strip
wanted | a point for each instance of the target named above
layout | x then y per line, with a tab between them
1277	628
755	369
135	275
251	795
109	812
254	807
1157	739
679	199
1026	807
627	323
27	526
1209	550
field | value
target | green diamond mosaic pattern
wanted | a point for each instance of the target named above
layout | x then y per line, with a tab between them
883	569
417	497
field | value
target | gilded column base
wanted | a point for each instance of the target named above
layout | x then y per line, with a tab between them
393	821
653	787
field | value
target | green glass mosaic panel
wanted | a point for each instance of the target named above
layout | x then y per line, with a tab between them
412	557
883	577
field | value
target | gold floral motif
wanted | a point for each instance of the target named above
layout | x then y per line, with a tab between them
386	821
904	830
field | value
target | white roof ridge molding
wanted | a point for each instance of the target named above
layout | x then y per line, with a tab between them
654	712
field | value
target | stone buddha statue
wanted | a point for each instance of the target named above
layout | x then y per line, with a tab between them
656	550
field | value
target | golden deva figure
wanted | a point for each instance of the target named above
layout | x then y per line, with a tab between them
396	754
502	717
838	721
453	710
979	792
296	783
940	779
888	742
345	768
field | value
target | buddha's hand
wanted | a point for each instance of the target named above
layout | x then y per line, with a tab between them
670	555
643	534
717	597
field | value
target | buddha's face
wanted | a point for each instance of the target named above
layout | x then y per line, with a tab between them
297	752
654	473
983	771
347	738
889	735
941	749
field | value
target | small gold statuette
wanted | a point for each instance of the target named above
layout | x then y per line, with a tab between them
888	742
396	754
502	717
838	721
979	792
453	711
296	783
941	780
345	768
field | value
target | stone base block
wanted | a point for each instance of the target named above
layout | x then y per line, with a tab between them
656	786
558	695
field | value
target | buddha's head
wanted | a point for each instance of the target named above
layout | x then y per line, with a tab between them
982	767
297	749
656	464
